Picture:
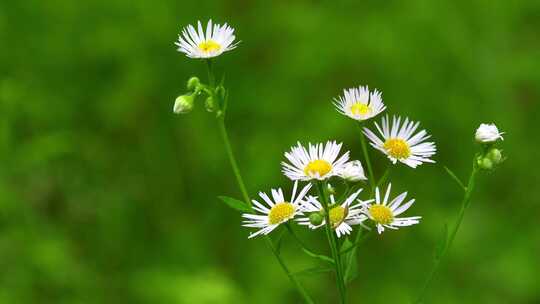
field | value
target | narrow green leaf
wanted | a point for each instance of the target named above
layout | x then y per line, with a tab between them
235	204
314	270
350	263
319	256
455	178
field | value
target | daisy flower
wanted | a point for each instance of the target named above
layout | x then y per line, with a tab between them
276	211
198	44
317	162
384	213
400	143
342	217
488	133
352	171
359	103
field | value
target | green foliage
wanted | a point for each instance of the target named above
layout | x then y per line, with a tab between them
235	204
106	196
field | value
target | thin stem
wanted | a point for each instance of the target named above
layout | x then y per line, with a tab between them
232	160
366	157
332	242
455	178
210	70
292	278
448	243
240	181
305	248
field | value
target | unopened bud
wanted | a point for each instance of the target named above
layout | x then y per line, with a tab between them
193	83
331	190
210	104
495	156
485	163
316	218
183	104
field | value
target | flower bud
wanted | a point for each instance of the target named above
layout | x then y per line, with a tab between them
183	104
485	163
488	133
330	189
210	104
495	156
193	83
316	218
352	171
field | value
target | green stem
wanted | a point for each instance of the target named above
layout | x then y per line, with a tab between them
210	70
240	181
366	157
232	160
332	242
447	244
241	185
292	278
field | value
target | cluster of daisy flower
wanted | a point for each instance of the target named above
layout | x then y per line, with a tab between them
322	164
398	139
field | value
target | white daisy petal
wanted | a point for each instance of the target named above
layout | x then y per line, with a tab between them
384	215
359	104
217	40
318	161
399	142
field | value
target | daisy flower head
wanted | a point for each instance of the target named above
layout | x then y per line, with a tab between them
318	161
359	103
400	143
342	216
488	133
275	210
199	44
385	213
352	171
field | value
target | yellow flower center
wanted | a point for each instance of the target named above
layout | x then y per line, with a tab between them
280	212
397	148
381	214
318	166
359	108
337	215
209	46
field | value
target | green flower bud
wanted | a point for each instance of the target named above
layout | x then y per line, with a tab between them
485	163
316	218
184	104
331	190
193	83
210	104
495	156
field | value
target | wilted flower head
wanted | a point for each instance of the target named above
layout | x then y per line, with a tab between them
488	133
198	44
352	171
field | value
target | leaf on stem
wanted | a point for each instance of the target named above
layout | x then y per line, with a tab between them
350	263
318	256
235	204
455	178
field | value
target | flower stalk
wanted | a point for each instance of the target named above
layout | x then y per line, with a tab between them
340	281
448	239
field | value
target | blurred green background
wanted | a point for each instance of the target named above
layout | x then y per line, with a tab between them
106	196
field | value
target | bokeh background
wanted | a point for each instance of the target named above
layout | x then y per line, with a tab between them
106	196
